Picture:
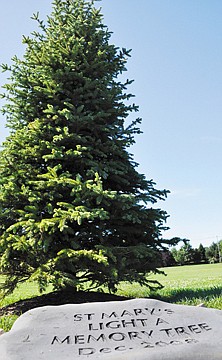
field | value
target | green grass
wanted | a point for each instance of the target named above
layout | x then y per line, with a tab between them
24	291
190	285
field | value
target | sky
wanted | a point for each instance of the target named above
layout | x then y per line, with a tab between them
176	64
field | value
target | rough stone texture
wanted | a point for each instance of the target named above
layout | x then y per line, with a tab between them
140	329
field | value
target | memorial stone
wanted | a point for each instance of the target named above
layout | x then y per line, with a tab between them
139	329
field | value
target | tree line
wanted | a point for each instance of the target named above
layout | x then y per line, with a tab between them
187	255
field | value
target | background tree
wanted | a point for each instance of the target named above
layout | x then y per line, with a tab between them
202	254
196	257
184	255
180	256
73	207
213	252
220	251
167	258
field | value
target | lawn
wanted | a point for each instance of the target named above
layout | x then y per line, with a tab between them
191	285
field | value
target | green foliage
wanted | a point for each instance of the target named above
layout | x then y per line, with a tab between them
73	208
187	255
213	252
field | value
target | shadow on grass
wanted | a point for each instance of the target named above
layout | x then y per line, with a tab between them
176	295
58	298
71	297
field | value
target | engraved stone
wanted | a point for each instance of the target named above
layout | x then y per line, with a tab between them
139	329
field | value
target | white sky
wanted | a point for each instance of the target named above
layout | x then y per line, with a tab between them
176	65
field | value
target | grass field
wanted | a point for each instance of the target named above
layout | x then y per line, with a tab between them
191	285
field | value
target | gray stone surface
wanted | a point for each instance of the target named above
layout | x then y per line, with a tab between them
140	329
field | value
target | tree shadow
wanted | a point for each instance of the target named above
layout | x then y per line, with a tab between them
177	295
72	297
58	298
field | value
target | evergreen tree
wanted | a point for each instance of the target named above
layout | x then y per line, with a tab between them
188	252
196	258
73	207
202	253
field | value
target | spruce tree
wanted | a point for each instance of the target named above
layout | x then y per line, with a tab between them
73	208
